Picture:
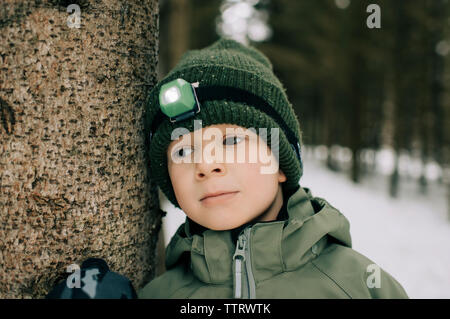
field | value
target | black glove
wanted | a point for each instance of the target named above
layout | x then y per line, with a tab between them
96	282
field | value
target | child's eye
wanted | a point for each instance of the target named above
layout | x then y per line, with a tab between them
182	151
231	140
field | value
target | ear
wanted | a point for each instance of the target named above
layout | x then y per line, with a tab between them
281	177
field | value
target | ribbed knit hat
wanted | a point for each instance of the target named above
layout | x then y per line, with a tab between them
236	86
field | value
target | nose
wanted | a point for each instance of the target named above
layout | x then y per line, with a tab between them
209	168
205	170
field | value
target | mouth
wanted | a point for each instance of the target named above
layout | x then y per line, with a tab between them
216	196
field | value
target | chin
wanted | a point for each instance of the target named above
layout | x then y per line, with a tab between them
223	227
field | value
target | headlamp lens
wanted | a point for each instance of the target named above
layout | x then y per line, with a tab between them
171	95
177	99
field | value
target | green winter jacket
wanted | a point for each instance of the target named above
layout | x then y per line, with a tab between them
308	255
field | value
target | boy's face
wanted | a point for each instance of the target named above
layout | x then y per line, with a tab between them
210	161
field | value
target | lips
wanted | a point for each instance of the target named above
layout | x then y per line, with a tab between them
216	194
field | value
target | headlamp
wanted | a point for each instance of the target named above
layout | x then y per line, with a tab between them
178	100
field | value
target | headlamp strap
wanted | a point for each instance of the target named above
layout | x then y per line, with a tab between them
217	93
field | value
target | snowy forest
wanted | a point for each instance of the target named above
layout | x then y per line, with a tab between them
360	92
374	106
369	81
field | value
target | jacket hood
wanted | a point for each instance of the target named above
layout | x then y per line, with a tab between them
276	246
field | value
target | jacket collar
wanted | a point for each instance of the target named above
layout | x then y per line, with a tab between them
275	246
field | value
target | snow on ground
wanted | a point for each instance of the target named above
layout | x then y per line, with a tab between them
408	237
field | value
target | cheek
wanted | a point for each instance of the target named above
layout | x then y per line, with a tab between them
260	185
179	178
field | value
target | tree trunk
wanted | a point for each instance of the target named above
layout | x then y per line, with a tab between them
328	129
394	178
178	30
73	168
358	92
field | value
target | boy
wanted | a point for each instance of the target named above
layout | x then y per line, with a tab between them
250	231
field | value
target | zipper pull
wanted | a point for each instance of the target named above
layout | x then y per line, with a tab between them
239	258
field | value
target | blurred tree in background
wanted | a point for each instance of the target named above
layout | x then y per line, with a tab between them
184	25
359	88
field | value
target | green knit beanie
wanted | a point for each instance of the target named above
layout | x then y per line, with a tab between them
236	86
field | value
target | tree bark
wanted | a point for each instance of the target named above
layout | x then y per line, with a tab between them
73	166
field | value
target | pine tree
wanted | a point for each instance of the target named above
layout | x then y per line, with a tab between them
73	163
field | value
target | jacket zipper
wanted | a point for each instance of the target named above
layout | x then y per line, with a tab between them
244	282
